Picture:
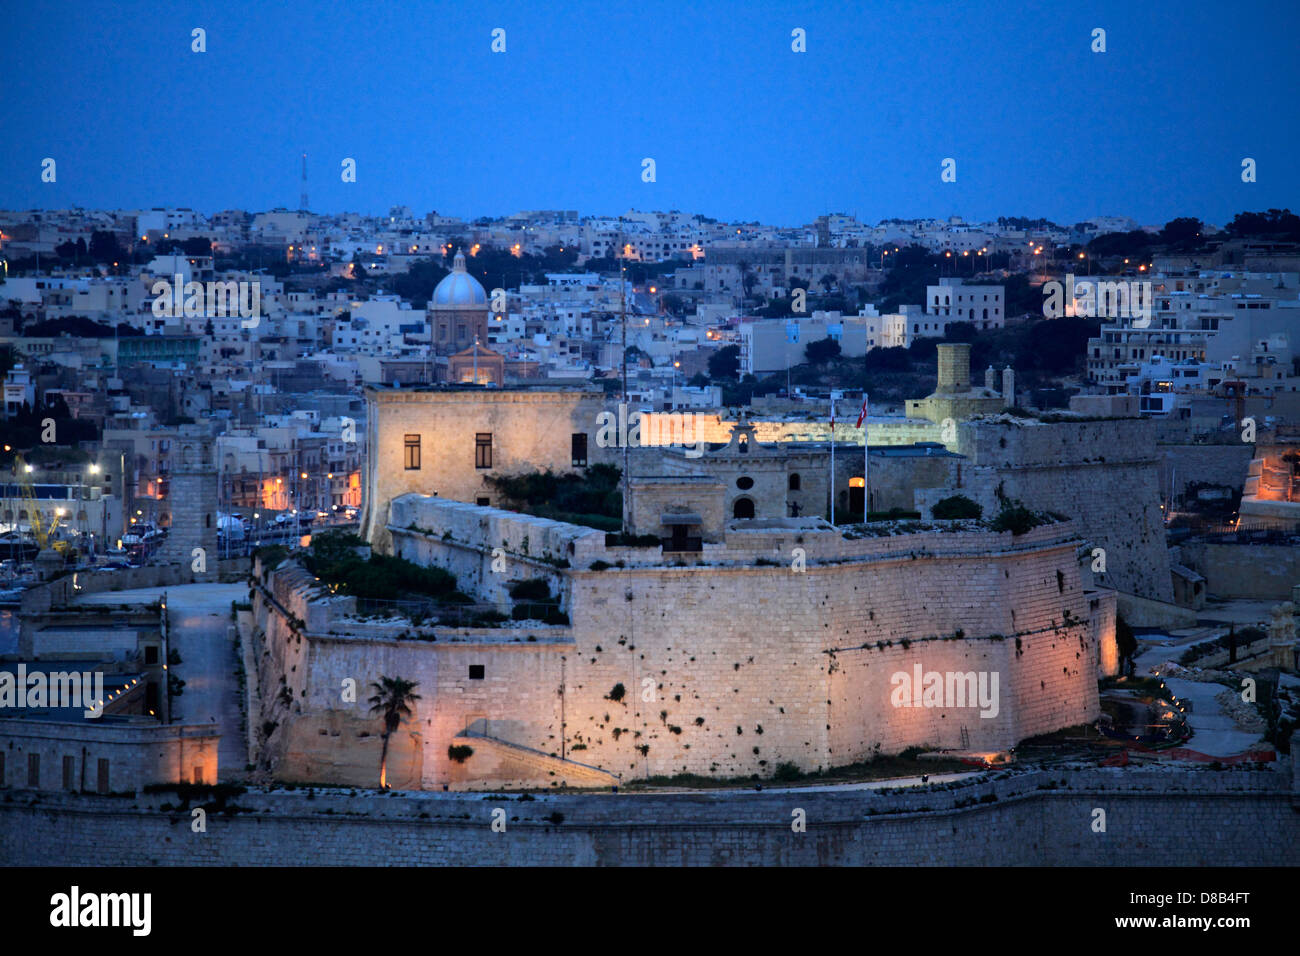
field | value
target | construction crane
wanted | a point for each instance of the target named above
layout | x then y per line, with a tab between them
39	531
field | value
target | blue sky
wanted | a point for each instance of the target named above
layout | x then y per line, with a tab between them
739	126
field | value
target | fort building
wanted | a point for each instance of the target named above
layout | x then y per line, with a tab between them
780	643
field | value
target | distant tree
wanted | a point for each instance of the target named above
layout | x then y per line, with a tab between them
777	309
961	332
1279	224
1132	245
417	284
924	349
392	701
828	281
104	247
1182	233
725	363
1057	346
896	359
699	380
74	325
823	351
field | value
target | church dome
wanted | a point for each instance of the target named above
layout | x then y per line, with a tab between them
458	289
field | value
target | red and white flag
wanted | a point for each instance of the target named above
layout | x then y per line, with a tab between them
862	415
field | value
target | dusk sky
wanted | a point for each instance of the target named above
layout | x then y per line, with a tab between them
740	127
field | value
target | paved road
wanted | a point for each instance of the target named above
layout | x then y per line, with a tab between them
820	788
200	620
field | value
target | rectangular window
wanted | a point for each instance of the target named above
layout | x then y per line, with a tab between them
476	671
483	502
69	773
101	783
579	449
483	450
33	770
412	456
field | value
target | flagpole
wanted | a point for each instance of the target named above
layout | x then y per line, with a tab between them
832	457
866	460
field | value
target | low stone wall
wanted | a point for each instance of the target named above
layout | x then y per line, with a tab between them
1164	817
1258	571
60	592
1144	612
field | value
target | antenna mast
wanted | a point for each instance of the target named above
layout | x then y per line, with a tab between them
302	200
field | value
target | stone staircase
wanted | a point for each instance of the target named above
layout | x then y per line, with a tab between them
517	765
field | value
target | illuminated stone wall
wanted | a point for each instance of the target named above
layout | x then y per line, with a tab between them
727	669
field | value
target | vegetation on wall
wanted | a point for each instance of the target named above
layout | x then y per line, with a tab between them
334	558
591	498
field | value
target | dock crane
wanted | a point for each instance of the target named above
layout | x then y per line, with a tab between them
39	531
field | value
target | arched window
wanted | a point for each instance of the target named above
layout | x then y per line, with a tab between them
743	508
986	313
744	446
794	482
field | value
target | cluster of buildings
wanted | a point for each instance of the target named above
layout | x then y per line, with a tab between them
236	409
1215	331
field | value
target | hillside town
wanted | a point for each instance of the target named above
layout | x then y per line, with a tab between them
263	329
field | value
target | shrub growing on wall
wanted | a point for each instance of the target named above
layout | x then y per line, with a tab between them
1016	518
533	589
956	507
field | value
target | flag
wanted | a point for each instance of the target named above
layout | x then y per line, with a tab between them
862	414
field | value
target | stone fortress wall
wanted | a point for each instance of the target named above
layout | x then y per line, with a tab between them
728	669
1038	818
1103	474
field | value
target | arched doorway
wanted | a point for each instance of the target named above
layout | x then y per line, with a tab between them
743	508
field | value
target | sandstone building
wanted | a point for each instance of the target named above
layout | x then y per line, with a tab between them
445	440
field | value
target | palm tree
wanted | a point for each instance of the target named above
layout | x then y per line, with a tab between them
392	699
